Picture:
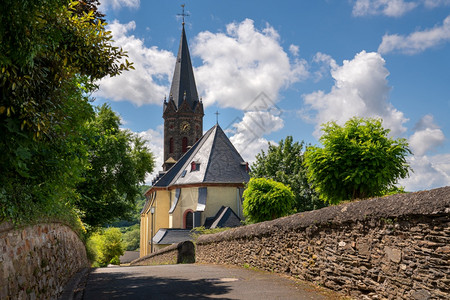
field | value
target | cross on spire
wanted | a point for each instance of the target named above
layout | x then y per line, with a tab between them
217	116
183	14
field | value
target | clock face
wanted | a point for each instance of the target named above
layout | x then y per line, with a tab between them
185	126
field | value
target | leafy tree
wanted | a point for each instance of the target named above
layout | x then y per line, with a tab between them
284	163
106	247
265	199
118	164
131	237
358	160
51	52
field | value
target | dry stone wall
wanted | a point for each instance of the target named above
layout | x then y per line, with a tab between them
396	247
37	261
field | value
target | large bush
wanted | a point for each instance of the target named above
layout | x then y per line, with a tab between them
265	199
358	160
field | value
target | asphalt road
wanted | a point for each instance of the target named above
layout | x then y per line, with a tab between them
194	281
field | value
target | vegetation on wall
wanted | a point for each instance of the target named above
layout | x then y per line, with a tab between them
284	163
358	160
266	199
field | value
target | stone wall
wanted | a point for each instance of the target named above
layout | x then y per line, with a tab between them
181	253
395	247
37	261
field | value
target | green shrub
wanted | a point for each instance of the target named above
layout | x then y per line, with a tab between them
265	199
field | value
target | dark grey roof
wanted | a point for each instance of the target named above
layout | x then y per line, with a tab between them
225	217
168	236
219	162
183	77
166	179
129	256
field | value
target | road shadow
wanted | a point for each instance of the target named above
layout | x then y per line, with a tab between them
122	285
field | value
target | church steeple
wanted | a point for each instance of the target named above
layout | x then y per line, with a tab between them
183	111
183	82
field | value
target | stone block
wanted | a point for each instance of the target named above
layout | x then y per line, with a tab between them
393	254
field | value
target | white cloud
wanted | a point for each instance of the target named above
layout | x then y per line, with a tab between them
360	89
391	8
118	4
294	49
417	41
436	3
249	132
149	82
429	172
324	62
427	137
243	62
155	142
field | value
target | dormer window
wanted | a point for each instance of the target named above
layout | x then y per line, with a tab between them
245	165
195	166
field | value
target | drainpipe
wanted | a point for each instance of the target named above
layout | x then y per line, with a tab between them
152	210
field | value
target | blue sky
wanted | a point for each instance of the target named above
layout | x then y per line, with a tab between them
278	68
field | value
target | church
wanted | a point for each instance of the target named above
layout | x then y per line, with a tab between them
203	175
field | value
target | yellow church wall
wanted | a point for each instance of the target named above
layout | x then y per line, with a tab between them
188	200
216	198
221	196
161	205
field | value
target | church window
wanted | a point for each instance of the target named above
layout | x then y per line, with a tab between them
171	145
189	220
184	144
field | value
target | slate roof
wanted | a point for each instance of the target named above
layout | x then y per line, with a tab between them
183	77
128	256
225	217
218	161
168	236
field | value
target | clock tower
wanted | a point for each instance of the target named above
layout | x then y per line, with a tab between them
183	111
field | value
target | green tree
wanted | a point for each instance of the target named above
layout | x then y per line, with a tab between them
131	237
118	163
358	160
265	199
284	163
51	53
106	247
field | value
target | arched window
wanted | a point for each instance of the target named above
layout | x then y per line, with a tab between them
184	145
189	219
171	145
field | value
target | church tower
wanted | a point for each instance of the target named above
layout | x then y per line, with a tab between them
183	111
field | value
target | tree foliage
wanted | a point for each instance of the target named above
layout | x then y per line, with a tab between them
284	163
266	199
358	160
131	237
118	163
51	54
106	247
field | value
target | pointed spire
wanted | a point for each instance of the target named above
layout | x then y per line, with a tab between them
183	77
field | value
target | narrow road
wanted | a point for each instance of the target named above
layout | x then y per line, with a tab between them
194	281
